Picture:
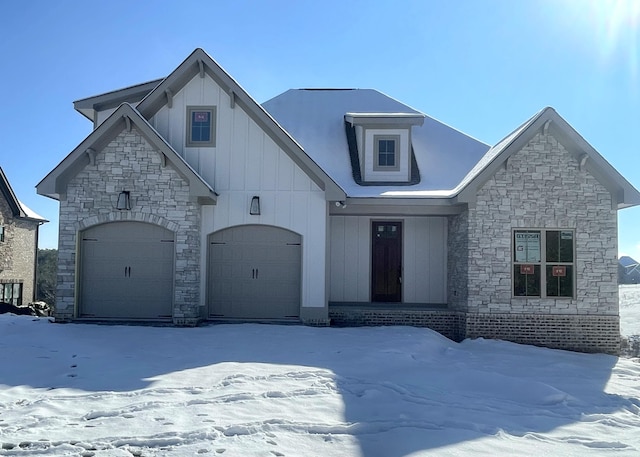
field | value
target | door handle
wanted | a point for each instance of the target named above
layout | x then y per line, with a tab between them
256	273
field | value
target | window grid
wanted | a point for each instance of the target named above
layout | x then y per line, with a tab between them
543	263
201	126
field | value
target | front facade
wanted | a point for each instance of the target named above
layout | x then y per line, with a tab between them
191	202
18	247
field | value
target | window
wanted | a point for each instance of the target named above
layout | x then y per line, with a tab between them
1	233
201	126
386	152
11	293
543	263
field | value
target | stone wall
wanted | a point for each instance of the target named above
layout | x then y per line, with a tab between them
17	251
458	261
159	195
542	186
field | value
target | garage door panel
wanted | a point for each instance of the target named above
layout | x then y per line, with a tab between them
263	278
127	271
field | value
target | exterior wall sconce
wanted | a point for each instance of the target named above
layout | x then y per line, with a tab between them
124	201
254	208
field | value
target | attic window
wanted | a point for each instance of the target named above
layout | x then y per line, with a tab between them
386	152
201	126
1	233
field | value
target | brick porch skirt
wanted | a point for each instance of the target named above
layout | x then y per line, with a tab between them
582	333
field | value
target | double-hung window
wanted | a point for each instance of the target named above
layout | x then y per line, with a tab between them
201	126
543	263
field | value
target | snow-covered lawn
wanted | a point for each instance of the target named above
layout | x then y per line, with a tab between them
267	390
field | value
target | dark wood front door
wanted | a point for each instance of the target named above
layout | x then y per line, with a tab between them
386	261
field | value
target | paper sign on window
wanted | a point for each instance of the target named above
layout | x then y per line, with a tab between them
526	269
201	116
527	247
559	270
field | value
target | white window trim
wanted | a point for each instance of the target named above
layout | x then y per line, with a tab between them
376	152
543	263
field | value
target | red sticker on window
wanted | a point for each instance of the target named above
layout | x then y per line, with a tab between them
526	269
201	116
559	270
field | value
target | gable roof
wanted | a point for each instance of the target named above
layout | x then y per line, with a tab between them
199	62
132	94
18	209
623	193
55	182
316	118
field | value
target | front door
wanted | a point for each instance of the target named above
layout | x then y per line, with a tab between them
386	261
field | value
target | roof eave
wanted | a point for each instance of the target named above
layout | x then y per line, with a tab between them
54	184
199	62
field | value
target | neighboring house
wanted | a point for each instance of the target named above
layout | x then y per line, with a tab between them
189	201
18	247
628	270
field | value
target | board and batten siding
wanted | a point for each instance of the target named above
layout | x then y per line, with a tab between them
424	259
246	162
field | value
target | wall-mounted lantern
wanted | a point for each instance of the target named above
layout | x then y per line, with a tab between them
254	208
124	201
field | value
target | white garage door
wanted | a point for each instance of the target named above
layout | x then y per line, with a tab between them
254	273
126	271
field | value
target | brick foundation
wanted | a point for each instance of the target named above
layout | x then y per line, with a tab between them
581	333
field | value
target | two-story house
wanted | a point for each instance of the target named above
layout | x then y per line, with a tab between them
18	247
190	201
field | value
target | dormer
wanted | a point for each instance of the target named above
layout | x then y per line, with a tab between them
380	147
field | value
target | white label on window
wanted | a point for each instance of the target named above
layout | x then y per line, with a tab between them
527	247
566	235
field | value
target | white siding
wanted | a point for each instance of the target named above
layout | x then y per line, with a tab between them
424	259
247	162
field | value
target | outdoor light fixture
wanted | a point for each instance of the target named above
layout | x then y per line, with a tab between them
254	209
124	202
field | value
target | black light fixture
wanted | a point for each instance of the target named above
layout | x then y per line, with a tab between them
254	208
124	202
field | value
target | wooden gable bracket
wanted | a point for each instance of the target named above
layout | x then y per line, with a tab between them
91	153
232	99
128	123
583	160
201	66
169	95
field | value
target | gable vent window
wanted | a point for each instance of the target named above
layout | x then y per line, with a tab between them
201	126
1	233
386	152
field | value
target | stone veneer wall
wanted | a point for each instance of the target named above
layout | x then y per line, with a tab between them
159	195
542	186
17	251
457	261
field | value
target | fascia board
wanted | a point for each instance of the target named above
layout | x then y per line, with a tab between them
132	94
190	67
55	182
10	196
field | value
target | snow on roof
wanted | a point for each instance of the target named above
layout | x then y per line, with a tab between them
31	214
315	118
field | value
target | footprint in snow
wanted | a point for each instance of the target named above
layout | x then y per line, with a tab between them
220	451
277	454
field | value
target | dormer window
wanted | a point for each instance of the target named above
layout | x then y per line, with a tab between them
380	147
386	152
201	126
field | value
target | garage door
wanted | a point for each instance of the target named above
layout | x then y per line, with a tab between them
254	273
126	271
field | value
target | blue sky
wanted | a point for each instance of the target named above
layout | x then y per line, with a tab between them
482	67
